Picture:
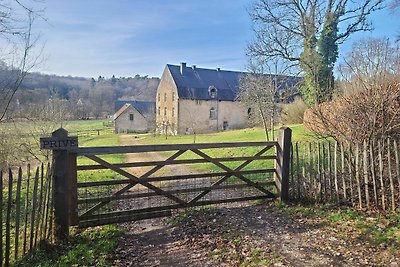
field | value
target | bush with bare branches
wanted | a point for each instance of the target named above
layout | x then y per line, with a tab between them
369	114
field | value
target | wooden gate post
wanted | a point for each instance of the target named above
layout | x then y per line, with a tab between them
60	188
73	189
64	180
282	166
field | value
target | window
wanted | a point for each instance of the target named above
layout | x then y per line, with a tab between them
159	97
131	117
165	111
212	91
165	97
225	126
173	96
159	111
173	112
213	114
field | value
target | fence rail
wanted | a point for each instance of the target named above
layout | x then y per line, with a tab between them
365	176
25	216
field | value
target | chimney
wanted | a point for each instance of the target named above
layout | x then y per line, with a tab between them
183	67
194	67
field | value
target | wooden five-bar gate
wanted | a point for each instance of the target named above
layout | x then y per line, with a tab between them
126	183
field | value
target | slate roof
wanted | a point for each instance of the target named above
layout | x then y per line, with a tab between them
144	107
196	82
120	111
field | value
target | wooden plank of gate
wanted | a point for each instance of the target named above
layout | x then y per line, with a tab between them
125	218
108	215
241	166
173	162
83	151
135	180
174	177
176	191
202	154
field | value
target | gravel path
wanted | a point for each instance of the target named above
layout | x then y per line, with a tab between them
260	235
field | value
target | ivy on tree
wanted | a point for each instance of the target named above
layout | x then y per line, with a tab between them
308	34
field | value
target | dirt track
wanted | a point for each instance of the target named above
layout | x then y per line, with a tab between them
252	235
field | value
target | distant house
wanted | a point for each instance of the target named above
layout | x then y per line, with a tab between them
134	116
191	99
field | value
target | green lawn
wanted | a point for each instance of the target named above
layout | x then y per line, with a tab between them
86	125
93	141
249	134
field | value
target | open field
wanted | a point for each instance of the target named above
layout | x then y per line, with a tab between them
249	134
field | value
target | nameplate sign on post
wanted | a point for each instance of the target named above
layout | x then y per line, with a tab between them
55	143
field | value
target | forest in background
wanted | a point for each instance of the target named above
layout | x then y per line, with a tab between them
44	97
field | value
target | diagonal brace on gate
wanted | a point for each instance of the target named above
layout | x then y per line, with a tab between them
230	173
135	180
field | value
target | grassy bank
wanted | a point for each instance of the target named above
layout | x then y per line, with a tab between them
91	247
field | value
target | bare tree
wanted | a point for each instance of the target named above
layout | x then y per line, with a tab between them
257	93
263	88
308	33
17	41
370	63
369	106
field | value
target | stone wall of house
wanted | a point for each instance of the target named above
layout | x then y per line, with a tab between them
198	116
125	123
167	104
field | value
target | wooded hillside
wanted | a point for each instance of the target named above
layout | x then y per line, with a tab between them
43	95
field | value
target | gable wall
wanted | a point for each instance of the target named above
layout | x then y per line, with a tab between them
166	88
123	124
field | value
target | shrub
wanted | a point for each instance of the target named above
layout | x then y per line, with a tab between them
293	113
369	114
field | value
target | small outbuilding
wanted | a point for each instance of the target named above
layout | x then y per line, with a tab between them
134	116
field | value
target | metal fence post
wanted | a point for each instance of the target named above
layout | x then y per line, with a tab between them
283	158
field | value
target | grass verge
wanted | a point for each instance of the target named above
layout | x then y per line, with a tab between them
91	247
376	229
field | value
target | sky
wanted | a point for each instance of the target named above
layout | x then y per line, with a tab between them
127	37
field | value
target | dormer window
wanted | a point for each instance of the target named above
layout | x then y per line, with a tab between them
213	92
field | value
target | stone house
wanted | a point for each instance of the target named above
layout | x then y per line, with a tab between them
197	100
134	116
191	99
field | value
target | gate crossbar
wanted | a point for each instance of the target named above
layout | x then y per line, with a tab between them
135	181
230	173
145	179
